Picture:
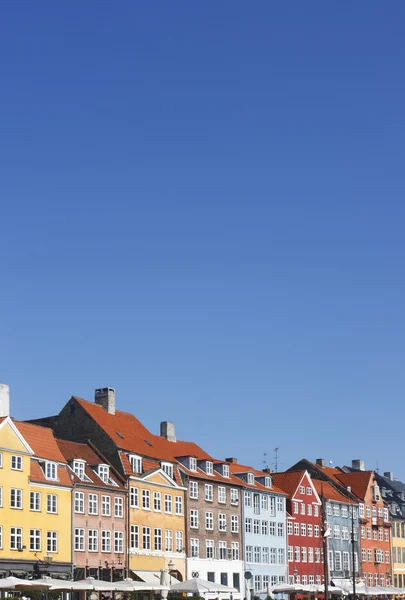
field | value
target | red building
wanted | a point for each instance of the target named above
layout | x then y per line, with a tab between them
304	550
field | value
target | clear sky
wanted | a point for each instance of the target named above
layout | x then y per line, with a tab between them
202	205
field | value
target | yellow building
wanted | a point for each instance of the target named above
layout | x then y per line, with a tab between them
35	502
398	552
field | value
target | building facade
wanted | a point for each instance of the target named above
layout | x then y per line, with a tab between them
35	503
264	530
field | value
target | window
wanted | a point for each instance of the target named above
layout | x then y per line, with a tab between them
35	501
146	499
157	535
295	508
194	519
296	528
280	504
297	554
52	541
272	528
280	556
302	489
317	555
157	501
92	504
234	523
336	532
93	540
309	491
309	530
330	554
248	499
193	464
386	514
303	554
104	473
105	541
225	471
316	530
257	583
15	498
168	469
265	528
273	556
209	492
265	502
344	511
309	509
16	463
118	507
289	527
290	553
370	555
303	529
248	525
168	503
78	468
179	541
257	556
133	497
209	467
338	561
235	550
316	510
256	526
209	548
169	540
265	555
193	490
222	550
195	547
79	502
346	565
106	505
221	494
363	554
363	532
134	537
51	503
35	540
336	510
310	555
361	510
209	521
79	540
136	463
234	496
256	504
179	505
280	529
249	553
119	542
51	471
222	522
302	508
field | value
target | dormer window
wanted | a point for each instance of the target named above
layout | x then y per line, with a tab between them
167	468
251	478
267	482
209	467
78	468
51	471
193	463
104	473
136	463
225	470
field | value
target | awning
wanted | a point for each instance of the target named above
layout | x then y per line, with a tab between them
153	577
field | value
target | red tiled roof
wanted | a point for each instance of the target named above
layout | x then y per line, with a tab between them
37	475
41	440
288	481
147	465
358	481
237	468
326	490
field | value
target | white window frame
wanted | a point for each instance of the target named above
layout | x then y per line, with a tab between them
136	463
16	462
51	471
192	463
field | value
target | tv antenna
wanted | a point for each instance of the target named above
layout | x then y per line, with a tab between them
266	465
276	459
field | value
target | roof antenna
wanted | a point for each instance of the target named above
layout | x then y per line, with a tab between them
377	469
266	465
276	459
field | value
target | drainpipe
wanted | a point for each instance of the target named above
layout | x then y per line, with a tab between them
72	537
128	528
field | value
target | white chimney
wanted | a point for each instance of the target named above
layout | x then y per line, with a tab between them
4	400
106	398
167	430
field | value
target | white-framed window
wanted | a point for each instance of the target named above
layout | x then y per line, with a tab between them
15	538
209	548
168	503
193	463
195	547
194	519
78	468
193	490
222	547
257	582
157	501
79	502
52	541
309	509
157	538
249	554
221	522
250	478
336	510
118	506
221	494
272	528
273	556
248	499
106	506
169	540
297	553
179	541
303	529
15	498
105	540
209	492
146	499
52	503
338	561
336	532
346	564
280	529
179	505
309	530
295	508
35	501
280	504
310	555
235	550
303	554
234	496
309	491
225	470
316	530
248	525
136	463
134	537
104	473
257	554
168	469
35	540
267	482
92	540
265	528
318	555
146	538
209	468
316	510
234	523
296	528
302	489
289	527
51	471
209	520
302	508
16	463
133	497
290	553
79	539
256	526
118	542
280	556
92	504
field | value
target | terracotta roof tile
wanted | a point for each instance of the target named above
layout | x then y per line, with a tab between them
37	475
326	490
41	440
358	481
237	468
288	481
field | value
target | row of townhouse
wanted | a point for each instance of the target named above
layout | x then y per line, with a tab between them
92	492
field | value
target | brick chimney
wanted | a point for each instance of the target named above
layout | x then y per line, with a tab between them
268	470
167	430
358	465
320	462
232	460
4	400
105	397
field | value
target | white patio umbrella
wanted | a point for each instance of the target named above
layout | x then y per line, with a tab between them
11	583
130	585
200	586
43	584
89	584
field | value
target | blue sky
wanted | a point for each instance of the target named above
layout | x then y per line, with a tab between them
202	205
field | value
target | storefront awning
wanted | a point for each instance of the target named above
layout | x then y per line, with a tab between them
152	577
